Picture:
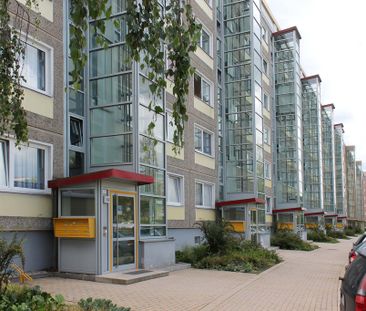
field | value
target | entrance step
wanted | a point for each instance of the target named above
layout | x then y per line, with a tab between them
130	277
178	266
273	248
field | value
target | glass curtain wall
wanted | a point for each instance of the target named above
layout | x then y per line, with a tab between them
359	191
328	159
76	143
110	93
220	96
289	138
152	157
340	170
243	94
313	181
351	181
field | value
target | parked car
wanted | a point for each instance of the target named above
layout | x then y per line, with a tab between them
353	288
352	254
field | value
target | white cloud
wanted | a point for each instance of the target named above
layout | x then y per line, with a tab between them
333	45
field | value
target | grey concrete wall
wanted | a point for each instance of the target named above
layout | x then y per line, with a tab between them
184	237
157	253
78	256
38	247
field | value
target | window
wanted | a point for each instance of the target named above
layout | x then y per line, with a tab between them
204	195
267	135
268	205
265	101
37	68
265	67
78	202
175	190
205	41
25	168
202	89
267	170
203	141
76	132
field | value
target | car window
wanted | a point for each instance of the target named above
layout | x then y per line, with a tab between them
361	239
361	249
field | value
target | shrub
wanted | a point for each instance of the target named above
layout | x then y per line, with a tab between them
337	234
8	252
289	240
99	305
358	230
320	236
217	235
29	299
192	255
349	231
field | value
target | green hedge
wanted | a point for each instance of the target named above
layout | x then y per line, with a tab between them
289	240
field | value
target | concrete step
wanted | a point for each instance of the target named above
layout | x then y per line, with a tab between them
130	277
178	266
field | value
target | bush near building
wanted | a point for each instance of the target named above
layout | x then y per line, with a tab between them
337	234
320	236
286	239
349	231
221	250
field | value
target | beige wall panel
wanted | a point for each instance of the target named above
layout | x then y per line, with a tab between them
170	152
205	7
205	214
202	55
45	8
204	108
204	160
25	205
175	212
38	103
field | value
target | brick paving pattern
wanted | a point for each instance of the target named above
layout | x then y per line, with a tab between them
304	281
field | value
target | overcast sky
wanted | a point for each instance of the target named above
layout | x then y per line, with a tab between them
333	45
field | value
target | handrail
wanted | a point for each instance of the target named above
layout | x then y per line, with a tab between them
23	276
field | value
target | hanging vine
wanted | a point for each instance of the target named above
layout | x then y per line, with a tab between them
148	32
14	30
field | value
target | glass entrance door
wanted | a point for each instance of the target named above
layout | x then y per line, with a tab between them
123	231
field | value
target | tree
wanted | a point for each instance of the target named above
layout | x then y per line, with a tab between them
153	38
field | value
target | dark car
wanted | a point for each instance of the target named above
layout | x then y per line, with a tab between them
353	288
353	254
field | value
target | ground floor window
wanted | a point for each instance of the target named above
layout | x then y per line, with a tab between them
24	167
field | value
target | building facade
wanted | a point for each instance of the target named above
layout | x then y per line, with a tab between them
259	149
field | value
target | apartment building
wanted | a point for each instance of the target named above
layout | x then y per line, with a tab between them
259	150
26	201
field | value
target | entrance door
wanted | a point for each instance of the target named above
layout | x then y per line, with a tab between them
123	232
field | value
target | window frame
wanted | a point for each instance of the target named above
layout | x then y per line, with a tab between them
210	102
267	130
266	106
266	176
181	177
49	57
210	43
48	162
203	183
212	134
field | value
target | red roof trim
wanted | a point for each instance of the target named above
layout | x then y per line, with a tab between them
293	209
139	179
312	77
342	217
283	31
328	105
331	215
241	201
314	213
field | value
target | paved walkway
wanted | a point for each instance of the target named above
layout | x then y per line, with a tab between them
304	281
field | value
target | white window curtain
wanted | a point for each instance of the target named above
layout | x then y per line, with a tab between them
3	163
199	194
29	168
174	189
207	199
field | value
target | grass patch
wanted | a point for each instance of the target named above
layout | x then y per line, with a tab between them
289	240
320	236
222	251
